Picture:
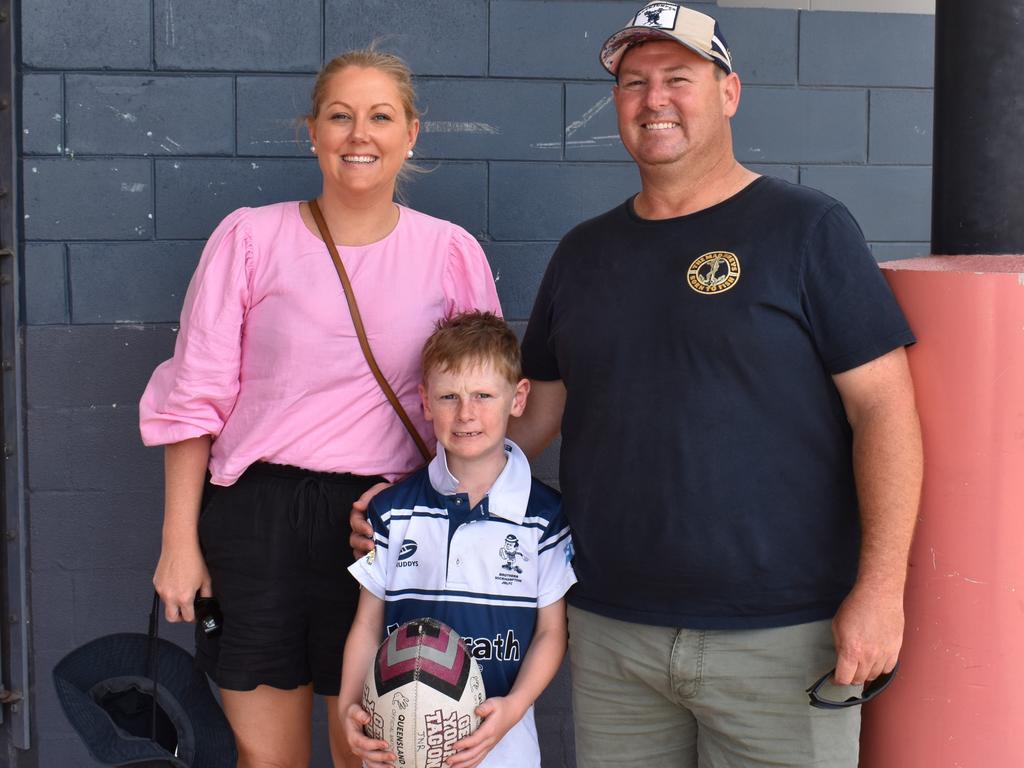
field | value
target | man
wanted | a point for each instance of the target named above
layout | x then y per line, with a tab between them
741	459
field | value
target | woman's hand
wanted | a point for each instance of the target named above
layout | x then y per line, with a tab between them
499	716
373	752
180	574
361	538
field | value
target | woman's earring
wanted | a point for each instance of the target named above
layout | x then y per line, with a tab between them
312	148
409	153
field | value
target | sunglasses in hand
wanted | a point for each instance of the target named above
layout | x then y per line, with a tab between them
819	693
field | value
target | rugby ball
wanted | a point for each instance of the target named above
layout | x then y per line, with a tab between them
422	692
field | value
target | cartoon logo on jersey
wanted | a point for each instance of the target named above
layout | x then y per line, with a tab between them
509	554
407	550
714	272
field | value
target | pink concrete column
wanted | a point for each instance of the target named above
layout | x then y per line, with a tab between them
959	697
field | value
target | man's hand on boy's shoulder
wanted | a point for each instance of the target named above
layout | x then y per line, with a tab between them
361	537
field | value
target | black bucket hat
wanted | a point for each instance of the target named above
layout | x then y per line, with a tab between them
106	690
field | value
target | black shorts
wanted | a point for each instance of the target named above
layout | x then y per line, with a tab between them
276	544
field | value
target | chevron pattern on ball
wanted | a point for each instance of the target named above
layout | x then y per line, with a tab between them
424	650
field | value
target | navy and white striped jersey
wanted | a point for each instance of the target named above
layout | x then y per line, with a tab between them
483	571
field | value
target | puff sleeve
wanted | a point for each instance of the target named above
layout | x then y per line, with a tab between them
468	283
193	393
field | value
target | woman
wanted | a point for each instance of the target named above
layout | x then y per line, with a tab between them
269	391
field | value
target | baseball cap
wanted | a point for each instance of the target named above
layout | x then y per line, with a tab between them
669	21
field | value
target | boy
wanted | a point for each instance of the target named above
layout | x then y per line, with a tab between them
471	540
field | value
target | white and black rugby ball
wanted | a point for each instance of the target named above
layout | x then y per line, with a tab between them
422	692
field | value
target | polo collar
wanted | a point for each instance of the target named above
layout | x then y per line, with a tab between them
510	491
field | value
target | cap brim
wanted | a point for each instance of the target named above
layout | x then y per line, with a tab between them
615	47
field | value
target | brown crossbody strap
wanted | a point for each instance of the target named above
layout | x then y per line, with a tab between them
357	321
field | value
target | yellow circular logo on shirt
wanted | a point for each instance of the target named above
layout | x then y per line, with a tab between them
714	272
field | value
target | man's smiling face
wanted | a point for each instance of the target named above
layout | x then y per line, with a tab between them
672	104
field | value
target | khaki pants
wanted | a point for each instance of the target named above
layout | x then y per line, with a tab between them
657	696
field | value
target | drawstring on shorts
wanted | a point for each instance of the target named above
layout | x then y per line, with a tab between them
310	497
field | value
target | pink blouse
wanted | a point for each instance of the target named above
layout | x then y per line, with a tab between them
267	360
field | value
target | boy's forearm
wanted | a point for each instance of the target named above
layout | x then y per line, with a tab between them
360	647
543	658
357	660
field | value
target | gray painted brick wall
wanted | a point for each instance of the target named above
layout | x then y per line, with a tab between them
42	102
242	35
92	34
764	43
146	121
901	126
194	194
490	119
131	115
268	115
542	201
87	198
876	49
435	37
825	126
100	292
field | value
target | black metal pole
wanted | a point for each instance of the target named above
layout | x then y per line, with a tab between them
978	162
14	671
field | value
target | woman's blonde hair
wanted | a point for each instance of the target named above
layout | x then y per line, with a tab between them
389	64
368	58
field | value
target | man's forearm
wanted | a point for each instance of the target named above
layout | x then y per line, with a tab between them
888	467
542	419
887	464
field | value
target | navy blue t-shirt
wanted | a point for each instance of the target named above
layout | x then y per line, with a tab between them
706	463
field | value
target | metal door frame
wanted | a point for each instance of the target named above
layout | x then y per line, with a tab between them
14	618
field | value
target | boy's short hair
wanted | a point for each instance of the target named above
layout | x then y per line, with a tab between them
472	338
